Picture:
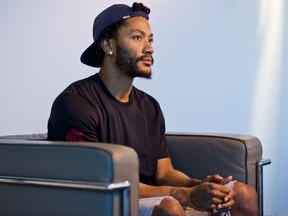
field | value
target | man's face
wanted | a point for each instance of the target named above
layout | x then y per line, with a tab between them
133	48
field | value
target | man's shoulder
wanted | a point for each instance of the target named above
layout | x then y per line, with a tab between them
81	85
78	92
144	97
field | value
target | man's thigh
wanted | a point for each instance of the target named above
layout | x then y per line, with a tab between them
147	205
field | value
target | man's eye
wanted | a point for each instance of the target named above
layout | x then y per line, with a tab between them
138	38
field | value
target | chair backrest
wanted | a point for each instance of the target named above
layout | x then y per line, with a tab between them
199	155
63	178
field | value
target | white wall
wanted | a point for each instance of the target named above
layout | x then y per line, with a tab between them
220	66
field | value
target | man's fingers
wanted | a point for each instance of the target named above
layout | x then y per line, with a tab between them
222	193
229	196
214	178
228	204
227	180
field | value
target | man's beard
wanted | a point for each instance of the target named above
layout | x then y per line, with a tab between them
128	64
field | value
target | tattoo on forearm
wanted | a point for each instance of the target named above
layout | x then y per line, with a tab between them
180	195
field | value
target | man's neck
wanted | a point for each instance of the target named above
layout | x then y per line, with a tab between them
118	83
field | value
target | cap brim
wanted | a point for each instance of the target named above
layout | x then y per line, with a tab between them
89	58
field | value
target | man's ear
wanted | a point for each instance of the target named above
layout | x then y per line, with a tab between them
106	45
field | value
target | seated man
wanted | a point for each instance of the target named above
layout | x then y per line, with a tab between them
106	107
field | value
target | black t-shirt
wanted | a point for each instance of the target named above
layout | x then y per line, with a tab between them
87	111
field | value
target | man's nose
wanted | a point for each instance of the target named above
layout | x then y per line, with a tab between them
148	48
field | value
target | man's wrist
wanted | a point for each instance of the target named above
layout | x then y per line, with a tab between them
194	182
180	194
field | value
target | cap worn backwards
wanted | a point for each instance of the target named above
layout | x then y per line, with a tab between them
106	18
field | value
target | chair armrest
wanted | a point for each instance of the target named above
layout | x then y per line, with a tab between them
49	178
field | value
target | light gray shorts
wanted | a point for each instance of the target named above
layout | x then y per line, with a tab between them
146	206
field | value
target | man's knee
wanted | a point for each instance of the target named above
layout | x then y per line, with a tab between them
168	207
245	192
246	200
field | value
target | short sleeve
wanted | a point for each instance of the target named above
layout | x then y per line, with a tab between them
72	118
163	149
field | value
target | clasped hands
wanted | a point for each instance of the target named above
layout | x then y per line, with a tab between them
212	194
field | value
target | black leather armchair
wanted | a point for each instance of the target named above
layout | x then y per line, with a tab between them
199	155
62	178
